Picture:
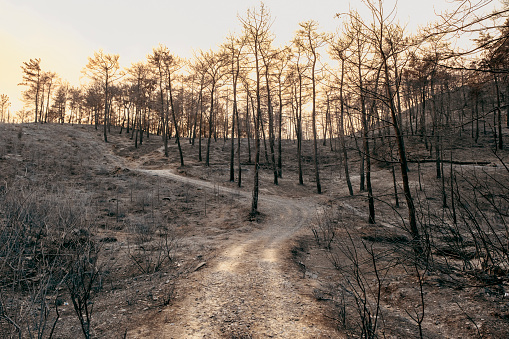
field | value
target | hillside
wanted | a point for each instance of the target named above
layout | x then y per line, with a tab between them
152	249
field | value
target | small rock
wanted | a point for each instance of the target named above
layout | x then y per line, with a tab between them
199	266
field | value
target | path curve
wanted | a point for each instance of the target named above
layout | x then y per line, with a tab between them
245	292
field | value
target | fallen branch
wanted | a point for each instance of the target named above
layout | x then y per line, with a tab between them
454	162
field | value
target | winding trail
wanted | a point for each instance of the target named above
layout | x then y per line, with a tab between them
245	291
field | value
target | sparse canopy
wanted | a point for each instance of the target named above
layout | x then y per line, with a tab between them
32	79
4	105
105	70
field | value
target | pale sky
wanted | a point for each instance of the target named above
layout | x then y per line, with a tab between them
63	33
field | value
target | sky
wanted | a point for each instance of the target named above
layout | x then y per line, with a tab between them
64	33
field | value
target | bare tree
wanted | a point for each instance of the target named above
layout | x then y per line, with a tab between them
338	51
310	40
60	101
357	32
171	65
76	98
269	57
140	78
233	49
104	69
32	79
256	27
48	78
156	61
4	105
166	66
296	77
387	41
212	66
280	73
199	68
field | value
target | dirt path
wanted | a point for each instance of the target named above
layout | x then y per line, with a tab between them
246	292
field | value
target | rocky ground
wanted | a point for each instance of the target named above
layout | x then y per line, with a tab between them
179	256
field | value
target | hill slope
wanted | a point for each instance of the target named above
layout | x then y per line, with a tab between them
150	249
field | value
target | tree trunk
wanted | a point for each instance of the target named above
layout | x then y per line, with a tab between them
343	144
248	129
436	128
395	186
238	146
414	231
365	132
280	128
499	113
106	110
47	103
362	185
262	127
135	130
313	118
298	131
254	204
271	125
211	117
232	150
177	135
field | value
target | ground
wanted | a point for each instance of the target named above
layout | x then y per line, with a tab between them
180	257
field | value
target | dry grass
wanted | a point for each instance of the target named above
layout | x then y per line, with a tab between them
66	195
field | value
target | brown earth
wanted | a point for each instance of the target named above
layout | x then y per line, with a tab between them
228	276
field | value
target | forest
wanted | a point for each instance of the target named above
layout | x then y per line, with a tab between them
365	168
